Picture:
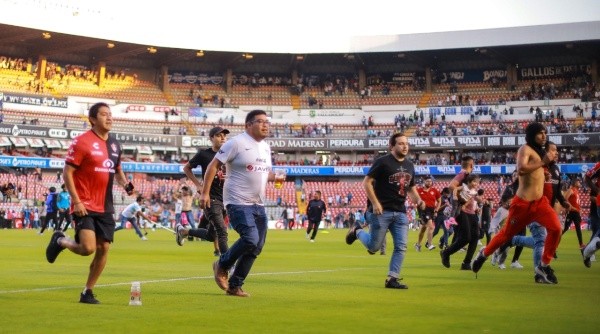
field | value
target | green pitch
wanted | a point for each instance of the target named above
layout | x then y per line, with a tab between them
295	287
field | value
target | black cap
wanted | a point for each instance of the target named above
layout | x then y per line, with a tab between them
216	130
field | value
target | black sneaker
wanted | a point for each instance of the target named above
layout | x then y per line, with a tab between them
445	259
539	279
54	248
478	262
351	235
546	273
465	266
394	283
586	261
88	297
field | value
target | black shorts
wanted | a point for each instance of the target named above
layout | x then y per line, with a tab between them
102	223
426	215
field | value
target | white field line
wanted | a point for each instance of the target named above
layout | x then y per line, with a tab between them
3	292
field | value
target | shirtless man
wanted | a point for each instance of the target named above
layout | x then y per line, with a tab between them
529	204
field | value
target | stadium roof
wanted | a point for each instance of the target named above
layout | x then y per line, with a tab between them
338	36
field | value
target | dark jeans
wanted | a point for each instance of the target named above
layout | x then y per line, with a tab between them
50	216
215	215
251	223
467	233
314	227
62	216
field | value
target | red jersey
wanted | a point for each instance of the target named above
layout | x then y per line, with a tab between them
95	161
429	196
574	200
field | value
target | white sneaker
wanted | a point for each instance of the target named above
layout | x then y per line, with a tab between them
431	247
179	238
307	236
312	240
479	243
516	265
502	266
494	259
144	238
593	258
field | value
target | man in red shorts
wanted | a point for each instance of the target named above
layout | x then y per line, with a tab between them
529	204
93	162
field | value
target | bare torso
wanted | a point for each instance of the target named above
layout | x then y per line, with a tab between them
531	185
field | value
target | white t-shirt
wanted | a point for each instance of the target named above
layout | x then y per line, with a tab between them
248	164
178	206
131	210
498	219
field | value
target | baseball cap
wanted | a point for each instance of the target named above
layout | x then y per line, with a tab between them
216	130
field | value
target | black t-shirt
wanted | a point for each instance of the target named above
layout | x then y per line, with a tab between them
202	159
393	179
315	210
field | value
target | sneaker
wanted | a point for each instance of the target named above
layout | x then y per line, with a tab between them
431	247
465	266
179	237
54	248
88	297
417	247
502	257
307	236
221	276
312	240
237	292
479	261
216	253
546	273
445	259
394	283
144	239
381	253
587	262
351	235
539	279
592	247
516	265
494	259
502	266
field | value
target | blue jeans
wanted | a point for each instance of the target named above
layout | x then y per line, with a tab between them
397	223
535	241
250	222
190	218
134	224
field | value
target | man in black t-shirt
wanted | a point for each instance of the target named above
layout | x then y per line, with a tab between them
389	182
216	212
315	210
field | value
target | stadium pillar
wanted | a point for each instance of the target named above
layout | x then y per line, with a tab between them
41	69
362	78
164	79
101	73
228	81
511	76
428	86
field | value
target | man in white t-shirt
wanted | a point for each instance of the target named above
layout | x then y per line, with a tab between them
131	213
248	163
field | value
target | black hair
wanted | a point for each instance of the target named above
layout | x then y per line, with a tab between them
464	162
531	131
250	116
96	108
139	198
394	136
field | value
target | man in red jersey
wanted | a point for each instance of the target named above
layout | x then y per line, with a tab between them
432	198
92	164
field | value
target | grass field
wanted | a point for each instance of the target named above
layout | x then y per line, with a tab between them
295	287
